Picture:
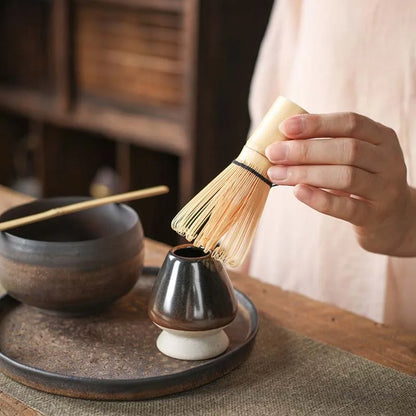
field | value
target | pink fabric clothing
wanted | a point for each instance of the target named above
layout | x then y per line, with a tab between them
330	56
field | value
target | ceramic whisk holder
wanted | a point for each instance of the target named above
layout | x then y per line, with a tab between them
192	301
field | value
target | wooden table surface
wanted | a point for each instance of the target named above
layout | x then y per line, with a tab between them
392	347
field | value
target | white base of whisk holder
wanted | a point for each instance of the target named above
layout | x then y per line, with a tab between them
192	345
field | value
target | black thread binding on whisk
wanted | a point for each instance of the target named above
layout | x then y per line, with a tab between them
254	172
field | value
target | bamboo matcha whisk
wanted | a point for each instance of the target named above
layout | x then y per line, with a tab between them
222	218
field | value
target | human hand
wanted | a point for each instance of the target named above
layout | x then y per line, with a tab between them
353	169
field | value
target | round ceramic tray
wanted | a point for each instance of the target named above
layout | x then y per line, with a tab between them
111	355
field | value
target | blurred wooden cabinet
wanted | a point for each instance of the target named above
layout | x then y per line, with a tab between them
155	89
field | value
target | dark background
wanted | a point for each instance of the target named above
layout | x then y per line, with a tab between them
105	96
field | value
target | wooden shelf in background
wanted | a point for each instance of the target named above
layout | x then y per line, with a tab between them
154	90
156	133
173	5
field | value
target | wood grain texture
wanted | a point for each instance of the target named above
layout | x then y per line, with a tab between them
9	406
25	60
60	42
161	131
129	57
165	76
392	347
174	5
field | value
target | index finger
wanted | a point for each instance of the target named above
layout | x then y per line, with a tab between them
304	126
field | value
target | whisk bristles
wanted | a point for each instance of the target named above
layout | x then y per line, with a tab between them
222	218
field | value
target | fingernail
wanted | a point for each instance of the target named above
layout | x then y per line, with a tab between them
292	126
277	173
277	152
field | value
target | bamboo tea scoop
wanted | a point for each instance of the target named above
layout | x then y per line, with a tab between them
80	206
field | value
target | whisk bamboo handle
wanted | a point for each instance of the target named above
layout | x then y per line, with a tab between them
80	206
268	130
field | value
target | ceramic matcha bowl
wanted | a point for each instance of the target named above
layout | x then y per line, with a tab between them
74	264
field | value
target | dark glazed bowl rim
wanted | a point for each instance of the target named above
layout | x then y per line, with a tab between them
173	251
67	199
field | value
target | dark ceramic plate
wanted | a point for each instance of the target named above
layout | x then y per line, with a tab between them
111	355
